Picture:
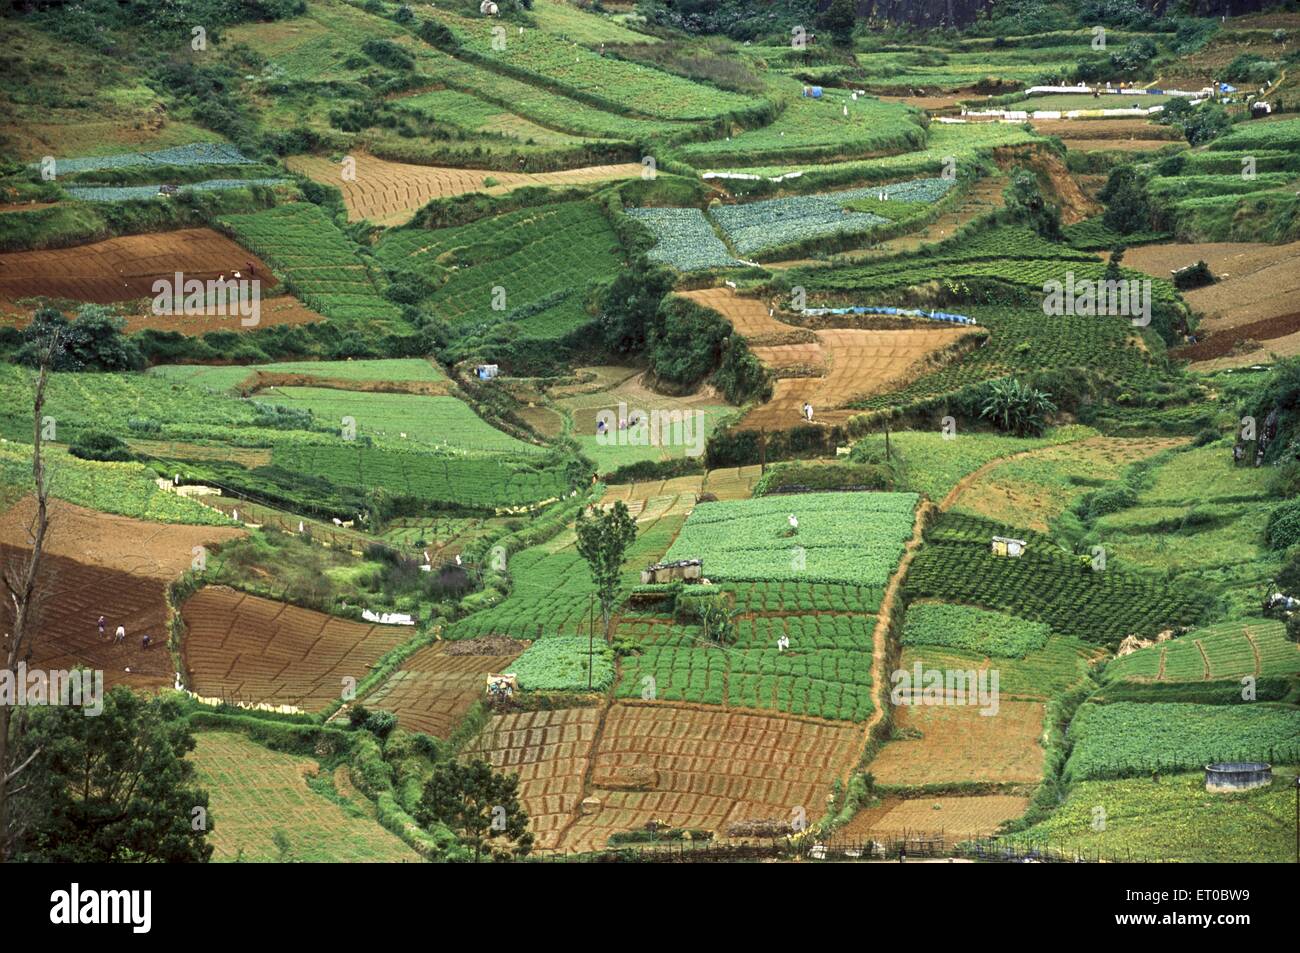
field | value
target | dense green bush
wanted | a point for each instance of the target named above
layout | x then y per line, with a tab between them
98	445
1283	527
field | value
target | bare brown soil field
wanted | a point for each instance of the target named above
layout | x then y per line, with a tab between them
956	817
542	419
957	743
123	269
696	767
750	317
255	650
154	550
931	103
1257	281
432	690
860	362
256	792
389	193
1285	346
180	450
1030	489
549	750
73	596
1114	145
1107	130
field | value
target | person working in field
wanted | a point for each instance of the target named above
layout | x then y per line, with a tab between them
120	635
807	411
101	627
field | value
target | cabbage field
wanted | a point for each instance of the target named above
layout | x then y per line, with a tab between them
852	538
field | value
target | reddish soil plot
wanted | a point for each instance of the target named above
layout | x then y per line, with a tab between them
1112	130
1257	282
432	690
749	316
389	193
74	596
280	309
956	817
549	751
1114	145
792	357
156	550
860	363
256	650
707	768
122	269
957	743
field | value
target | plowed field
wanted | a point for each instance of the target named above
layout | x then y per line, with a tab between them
749	316
957	743
549	751
389	193
859	363
709	768
955	817
255	650
73	597
433	690
122	269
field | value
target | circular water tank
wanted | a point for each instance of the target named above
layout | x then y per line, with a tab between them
1237	776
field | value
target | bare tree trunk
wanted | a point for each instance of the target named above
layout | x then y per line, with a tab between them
20	585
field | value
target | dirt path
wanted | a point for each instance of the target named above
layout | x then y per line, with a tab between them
1205	660
880	635
1254	648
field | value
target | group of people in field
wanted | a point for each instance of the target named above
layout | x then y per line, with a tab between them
119	637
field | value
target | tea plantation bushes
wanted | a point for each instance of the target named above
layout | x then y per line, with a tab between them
1127	738
1046	584
317	261
816	129
966	627
560	664
479	481
623	87
683	239
543	258
108	193
841	537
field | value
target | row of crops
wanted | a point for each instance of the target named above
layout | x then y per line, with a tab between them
1024	340
1046	584
549	60
755	226
197	153
854	538
532	265
227	377
1125	738
1226	650
684	239
127	489
108	193
969	627
317	261
836	126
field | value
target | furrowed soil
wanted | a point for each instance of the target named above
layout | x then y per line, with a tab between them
958	743
125	268
389	193
955	817
432	690
257	793
246	648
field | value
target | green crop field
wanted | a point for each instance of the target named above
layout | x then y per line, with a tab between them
1046	584
441	421
229	377
1172	819
541	259
1125	739
876	252
841	538
317	261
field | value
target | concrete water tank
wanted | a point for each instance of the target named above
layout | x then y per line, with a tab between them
1237	776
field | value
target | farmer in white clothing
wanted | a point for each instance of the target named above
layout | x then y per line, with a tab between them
120	635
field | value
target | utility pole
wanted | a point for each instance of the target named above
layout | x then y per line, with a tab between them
762	451
591	636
